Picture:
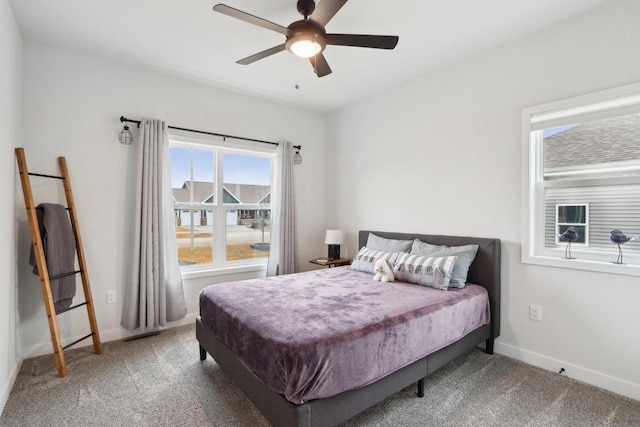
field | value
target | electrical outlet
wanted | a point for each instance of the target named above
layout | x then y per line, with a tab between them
535	313
111	297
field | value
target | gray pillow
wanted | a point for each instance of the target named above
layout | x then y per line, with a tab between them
366	259
434	272
388	245
466	254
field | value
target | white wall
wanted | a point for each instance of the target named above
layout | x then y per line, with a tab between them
10	101
442	155
72	104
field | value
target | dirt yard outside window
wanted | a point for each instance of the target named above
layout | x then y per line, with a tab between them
239	241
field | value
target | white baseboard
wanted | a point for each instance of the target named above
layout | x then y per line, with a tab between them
6	389
598	379
119	333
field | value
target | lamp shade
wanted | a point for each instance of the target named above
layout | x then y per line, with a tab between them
334	237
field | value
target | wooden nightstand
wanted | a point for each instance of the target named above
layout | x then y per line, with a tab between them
331	262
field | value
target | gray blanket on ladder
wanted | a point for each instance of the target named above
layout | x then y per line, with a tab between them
59	246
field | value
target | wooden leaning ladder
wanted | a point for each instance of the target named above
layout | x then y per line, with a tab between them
42	263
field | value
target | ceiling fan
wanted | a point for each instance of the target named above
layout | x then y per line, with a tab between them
307	38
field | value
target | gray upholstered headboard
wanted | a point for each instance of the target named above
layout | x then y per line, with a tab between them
484	271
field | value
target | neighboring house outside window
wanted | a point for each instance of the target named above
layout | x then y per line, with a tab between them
213	235
583	170
576	216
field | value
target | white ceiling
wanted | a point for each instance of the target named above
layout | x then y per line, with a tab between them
186	38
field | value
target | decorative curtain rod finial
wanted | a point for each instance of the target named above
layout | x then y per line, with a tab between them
123	119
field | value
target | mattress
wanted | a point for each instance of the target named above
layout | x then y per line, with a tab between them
316	334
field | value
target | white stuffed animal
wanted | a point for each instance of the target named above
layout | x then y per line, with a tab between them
383	271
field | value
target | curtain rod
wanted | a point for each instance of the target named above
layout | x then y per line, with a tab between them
123	119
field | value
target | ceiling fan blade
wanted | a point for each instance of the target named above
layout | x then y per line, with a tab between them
251	19
362	40
326	10
320	65
253	58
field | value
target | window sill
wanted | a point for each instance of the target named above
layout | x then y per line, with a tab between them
222	271
579	264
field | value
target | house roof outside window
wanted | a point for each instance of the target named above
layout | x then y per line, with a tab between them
597	142
233	193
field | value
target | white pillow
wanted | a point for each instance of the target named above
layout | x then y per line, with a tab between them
434	272
366	259
466	254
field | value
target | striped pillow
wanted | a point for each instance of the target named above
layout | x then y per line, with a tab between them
434	272
366	259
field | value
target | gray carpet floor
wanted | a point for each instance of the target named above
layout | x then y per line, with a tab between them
160	381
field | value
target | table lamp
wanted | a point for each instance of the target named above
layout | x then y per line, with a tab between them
334	238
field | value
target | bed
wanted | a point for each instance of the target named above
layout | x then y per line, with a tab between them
268	373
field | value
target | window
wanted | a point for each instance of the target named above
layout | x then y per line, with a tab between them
582	166
222	204
575	216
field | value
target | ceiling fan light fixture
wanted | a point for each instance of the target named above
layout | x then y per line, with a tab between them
305	45
305	48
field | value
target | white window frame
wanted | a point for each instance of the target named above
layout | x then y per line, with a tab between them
620	100
219	209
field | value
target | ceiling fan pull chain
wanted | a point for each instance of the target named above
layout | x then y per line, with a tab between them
315	60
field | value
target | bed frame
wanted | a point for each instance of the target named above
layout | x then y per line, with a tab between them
330	411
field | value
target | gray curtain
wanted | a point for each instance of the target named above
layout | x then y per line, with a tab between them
283	255
154	294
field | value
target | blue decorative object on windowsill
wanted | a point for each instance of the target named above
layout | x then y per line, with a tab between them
618	237
570	235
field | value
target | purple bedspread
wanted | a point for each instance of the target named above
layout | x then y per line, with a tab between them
317	334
